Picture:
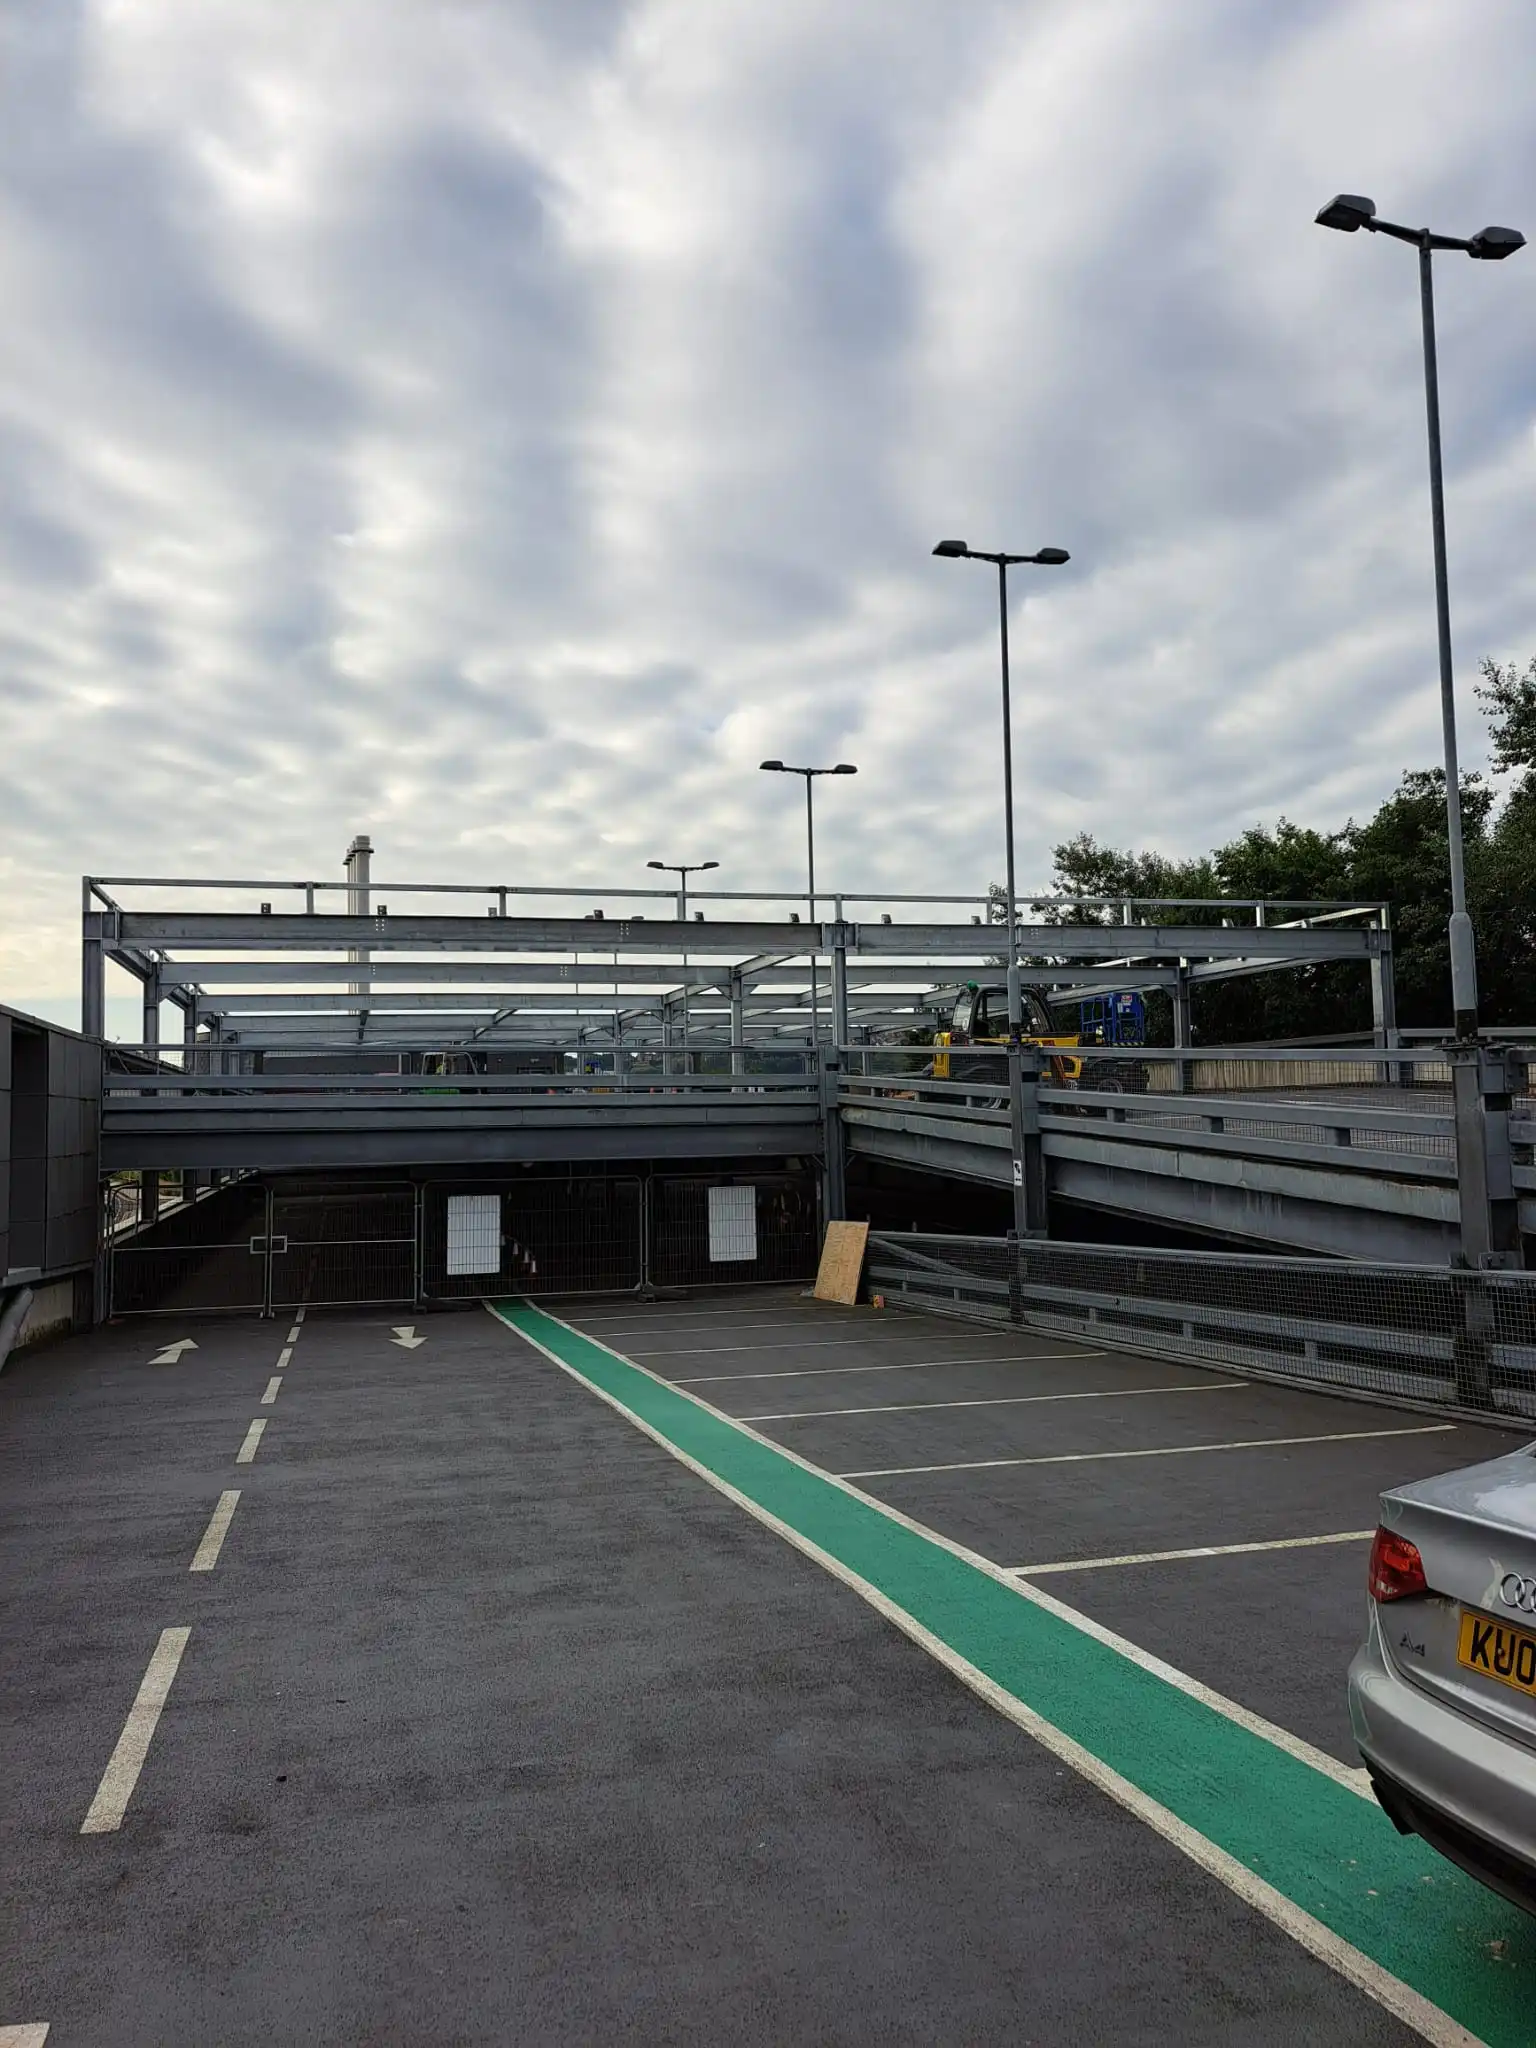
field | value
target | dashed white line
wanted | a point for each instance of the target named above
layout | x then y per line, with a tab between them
283	1357
127	1760
829	1372
253	1436
293	1334
272	1386
298	1317
1258	1443
1096	1564
213	1536
996	1401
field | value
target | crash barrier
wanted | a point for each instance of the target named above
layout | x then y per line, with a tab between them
1457	1339
269	1243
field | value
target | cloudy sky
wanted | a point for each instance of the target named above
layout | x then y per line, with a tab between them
497	424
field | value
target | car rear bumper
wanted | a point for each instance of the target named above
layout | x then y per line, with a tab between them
1470	1792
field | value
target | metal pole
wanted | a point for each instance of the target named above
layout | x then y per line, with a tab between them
810	859
682	876
1462	943
1015	997
1021	1220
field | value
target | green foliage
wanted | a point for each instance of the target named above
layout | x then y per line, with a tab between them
1509	703
1398	857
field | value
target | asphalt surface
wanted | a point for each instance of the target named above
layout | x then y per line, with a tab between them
496	1723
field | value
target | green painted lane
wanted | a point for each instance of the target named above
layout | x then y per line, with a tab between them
1334	1855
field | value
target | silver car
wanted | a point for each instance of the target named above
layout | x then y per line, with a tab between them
1442	1694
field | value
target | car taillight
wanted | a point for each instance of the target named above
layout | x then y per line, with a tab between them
1397	1570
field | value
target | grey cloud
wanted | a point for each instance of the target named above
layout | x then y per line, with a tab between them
502	432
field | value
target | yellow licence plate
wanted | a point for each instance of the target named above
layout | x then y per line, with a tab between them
1505	1654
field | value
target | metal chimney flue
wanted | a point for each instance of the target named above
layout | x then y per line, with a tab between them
358	867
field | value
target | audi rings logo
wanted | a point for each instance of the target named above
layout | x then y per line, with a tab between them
1516	1591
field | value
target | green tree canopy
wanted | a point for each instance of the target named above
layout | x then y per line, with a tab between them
1399	857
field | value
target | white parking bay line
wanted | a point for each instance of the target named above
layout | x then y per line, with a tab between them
1259	1443
1098	1564
253	1436
24	2037
213	1536
272	1386
811	1344
996	1401
127	1760
829	1372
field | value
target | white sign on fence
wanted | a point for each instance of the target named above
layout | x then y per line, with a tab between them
474	1234
732	1224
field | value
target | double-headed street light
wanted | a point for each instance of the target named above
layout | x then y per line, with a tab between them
683	869
1043	558
1349	213
810	774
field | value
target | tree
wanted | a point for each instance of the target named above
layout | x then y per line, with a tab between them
1509	701
1399	857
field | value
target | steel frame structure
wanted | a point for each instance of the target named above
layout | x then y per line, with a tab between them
253	976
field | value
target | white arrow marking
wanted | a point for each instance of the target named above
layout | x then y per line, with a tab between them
171	1355
405	1336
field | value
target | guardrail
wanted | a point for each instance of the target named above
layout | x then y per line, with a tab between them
1427	1335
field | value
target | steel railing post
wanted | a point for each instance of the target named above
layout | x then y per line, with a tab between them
835	1174
1489	1210
1030	1209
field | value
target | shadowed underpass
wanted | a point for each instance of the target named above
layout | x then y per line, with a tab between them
494	1721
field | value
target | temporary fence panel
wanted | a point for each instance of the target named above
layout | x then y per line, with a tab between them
712	1232
211	1254
538	1236
342	1245
1440	1335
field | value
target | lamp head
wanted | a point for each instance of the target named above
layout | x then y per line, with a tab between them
1492	245
954	548
655	863
1348	212
845	768
770	764
703	864
1051	558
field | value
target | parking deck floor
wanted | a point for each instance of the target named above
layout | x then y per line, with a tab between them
481	1714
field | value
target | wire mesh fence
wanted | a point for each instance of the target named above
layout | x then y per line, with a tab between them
709	1232
539	1236
341	1245
1450	1338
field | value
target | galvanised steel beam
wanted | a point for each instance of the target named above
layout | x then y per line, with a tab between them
1128	944
285	1151
408	933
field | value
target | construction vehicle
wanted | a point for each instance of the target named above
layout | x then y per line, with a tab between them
980	1017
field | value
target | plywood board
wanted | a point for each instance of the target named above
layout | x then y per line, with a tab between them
842	1261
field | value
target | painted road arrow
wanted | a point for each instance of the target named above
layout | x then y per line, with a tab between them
405	1336
171	1355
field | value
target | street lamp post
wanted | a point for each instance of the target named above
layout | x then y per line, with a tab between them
1044	558
810	774
1349	213
683	869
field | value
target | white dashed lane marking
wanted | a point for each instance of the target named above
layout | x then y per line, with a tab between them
127	1760
253	1436
213	1536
